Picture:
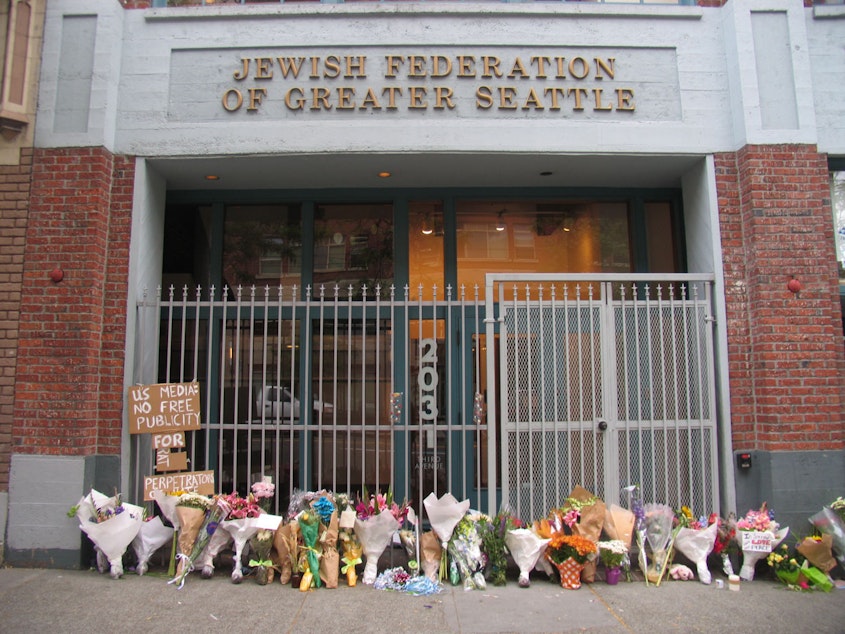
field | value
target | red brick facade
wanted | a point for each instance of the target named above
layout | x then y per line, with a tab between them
14	202
785	349
69	390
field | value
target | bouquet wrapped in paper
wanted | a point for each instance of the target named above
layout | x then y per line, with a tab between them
696	543
818	551
166	503
619	524
526	548
378	518
329	534
201	527
465	549
111	525
828	521
757	535
431	550
152	535
444	513
591	515
241	531
286	545
375	533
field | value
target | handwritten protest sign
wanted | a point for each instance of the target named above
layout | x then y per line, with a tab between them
200	481
164	408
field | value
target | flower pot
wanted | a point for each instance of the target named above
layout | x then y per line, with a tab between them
570	573
613	574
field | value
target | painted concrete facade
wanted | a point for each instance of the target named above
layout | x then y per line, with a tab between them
608	95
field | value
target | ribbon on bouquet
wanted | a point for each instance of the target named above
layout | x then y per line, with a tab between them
350	563
189	567
266	563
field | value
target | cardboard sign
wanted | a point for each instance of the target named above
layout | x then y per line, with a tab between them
757	542
164	408
167	460
200	481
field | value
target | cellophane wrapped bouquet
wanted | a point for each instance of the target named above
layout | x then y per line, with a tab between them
111	525
493	542
659	529
757	534
467	558
695	539
831	521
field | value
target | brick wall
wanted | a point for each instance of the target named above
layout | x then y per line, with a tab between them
787	363
14	185
68	397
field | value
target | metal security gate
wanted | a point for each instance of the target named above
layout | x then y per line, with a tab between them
605	381
339	390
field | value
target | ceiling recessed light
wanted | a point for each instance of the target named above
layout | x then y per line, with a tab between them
384	174
212	177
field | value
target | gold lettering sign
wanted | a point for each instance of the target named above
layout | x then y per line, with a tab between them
416	82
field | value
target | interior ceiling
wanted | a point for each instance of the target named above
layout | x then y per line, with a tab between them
357	171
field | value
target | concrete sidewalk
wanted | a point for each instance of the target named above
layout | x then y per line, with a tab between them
86	601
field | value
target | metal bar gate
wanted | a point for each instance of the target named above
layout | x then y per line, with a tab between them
514	397
606	381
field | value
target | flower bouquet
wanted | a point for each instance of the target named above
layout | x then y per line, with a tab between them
111	525
375	525
431	551
659	521
526	548
758	534
261	544
263	491
613	554
725	542
786	567
152	535
287	546
219	540
349	543
309	526
398	580
635	503
493	533
818	550
329	533
241	524
569	553
215	510
828	521
695	540
444	513
590	520
465	550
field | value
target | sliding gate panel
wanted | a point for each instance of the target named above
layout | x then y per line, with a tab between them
605	382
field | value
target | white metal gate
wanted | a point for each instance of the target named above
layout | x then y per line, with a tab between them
605	381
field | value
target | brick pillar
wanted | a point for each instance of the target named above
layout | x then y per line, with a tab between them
786	357
14	183
66	431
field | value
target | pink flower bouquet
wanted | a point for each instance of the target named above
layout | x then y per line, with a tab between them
757	535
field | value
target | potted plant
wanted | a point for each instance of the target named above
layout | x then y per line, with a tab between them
612	554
